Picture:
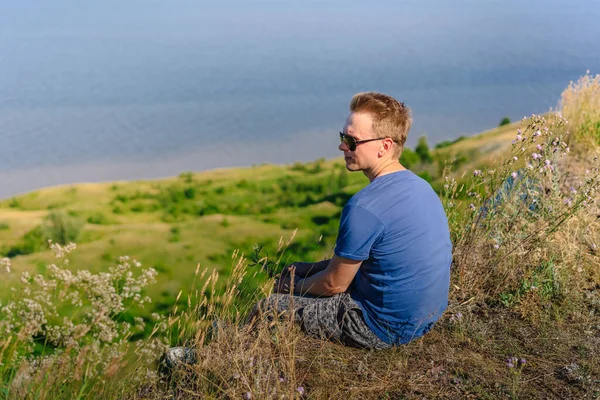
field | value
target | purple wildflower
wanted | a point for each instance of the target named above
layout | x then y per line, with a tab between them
247	396
535	156
301	390
519	137
537	133
515	158
510	365
523	361
539	147
514	175
477	172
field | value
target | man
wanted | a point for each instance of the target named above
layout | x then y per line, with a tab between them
388	280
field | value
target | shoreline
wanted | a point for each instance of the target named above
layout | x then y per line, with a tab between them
135	172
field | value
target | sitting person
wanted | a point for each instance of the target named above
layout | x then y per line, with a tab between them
388	280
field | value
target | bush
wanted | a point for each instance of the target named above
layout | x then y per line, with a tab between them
426	175
504	121
408	158
175	234
14	203
187	177
422	150
62	228
32	242
98	218
447	143
50	347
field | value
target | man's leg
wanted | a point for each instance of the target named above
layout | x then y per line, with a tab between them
337	318
319	317
356	333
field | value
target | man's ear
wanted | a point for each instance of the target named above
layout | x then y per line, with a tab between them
387	144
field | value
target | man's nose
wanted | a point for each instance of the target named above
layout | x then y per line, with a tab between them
343	146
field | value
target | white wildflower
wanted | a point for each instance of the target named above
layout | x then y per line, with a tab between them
5	264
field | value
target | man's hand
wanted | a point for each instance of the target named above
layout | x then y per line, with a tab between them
283	283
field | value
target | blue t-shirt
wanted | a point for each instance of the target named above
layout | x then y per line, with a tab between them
398	227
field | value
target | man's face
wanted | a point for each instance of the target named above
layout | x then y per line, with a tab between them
360	127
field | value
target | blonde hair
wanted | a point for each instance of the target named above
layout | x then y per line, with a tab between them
391	118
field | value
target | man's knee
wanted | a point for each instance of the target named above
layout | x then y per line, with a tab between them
267	307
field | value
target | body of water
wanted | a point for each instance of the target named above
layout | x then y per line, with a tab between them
110	90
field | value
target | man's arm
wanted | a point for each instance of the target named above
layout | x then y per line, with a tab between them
305	269
334	279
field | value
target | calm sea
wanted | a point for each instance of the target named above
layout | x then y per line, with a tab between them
113	89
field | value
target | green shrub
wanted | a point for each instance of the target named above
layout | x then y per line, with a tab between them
137	208
504	121
187	177
447	143
298	166
32	242
4	226
62	228
189	192
409	158
98	218
175	234
422	150
14	203
426	175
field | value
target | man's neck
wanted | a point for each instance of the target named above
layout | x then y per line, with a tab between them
383	169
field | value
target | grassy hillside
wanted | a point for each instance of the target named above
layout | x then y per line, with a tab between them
201	218
524	314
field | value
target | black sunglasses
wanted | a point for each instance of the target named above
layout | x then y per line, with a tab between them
352	142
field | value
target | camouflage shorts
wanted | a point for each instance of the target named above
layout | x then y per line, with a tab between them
337	318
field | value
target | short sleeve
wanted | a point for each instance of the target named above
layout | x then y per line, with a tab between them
359	230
